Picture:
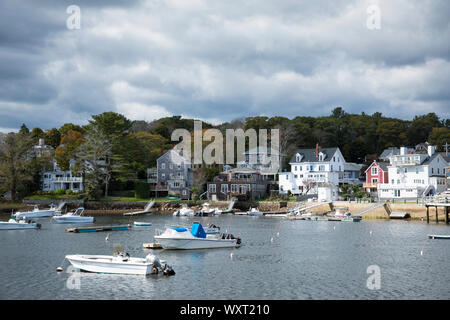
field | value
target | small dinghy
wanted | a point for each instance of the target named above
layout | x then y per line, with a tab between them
194	238
254	212
439	236
120	263
22	224
73	217
142	224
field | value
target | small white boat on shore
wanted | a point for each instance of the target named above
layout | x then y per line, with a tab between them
40	213
194	238
206	210
120	263
184	211
254	212
73	217
13	224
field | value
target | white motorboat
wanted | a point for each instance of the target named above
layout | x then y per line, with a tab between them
73	217
184	211
120	263
342	212
206	210
194	238
22	224
254	212
40	213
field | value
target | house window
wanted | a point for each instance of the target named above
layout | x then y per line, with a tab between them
374	170
179	166
393	181
212	188
374	180
224	188
295	168
184	192
417	170
163	175
432	170
179	174
300	168
163	166
234	188
170	166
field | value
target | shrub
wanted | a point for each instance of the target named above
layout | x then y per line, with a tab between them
68	191
59	192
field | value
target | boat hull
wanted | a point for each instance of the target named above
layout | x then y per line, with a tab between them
36	214
63	219
201	243
18	226
104	264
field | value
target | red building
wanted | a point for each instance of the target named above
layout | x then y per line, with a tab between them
376	173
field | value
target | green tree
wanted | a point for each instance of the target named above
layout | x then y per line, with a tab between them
67	149
53	138
93	162
15	155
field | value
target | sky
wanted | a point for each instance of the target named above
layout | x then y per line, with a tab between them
220	60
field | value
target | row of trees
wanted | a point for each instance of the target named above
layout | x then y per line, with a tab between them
112	149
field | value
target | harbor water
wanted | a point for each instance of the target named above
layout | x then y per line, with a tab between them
280	259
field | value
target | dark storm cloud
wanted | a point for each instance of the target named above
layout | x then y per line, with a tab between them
220	60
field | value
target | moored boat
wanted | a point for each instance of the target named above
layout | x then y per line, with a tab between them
40	213
194	238
73	217
254	212
142	224
120	263
22	224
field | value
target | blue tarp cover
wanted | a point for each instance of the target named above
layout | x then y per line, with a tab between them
197	230
180	229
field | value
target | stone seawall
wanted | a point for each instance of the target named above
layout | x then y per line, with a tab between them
416	211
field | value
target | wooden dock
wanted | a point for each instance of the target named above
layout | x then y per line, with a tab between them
99	228
436	205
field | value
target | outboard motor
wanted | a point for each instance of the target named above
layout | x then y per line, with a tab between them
168	271
38	225
156	263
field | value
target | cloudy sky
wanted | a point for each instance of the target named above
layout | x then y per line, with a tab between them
219	60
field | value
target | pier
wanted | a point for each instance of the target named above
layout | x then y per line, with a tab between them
436	205
99	228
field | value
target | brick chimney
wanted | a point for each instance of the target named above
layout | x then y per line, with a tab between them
317	149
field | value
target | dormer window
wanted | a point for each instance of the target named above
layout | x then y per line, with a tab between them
321	156
298	157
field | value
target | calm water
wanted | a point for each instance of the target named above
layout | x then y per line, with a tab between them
308	260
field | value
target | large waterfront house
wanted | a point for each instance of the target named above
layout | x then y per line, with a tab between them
309	167
174	174
260	159
413	175
240	183
57	179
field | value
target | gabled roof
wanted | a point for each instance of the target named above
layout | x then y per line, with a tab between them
309	155
175	157
382	165
430	159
